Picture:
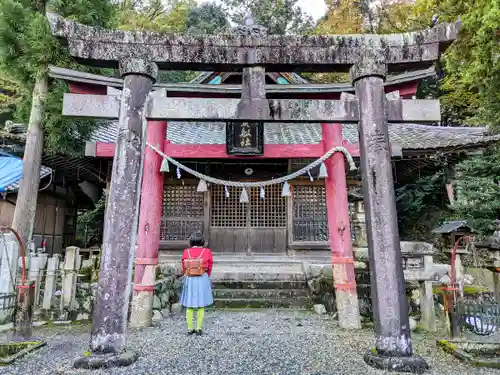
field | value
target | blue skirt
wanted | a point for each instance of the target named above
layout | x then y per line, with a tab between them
197	291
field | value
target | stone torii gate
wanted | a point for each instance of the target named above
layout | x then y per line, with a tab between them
367	57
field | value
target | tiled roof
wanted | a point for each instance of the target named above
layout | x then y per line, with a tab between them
406	136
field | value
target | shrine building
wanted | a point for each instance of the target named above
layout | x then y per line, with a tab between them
272	223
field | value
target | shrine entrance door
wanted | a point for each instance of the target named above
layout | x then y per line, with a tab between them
255	227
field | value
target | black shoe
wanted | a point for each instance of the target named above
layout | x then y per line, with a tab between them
191	332
199	332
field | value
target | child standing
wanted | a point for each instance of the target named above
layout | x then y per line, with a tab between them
197	262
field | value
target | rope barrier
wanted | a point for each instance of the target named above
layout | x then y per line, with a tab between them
276	181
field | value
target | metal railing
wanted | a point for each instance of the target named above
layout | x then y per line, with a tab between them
7	307
481	318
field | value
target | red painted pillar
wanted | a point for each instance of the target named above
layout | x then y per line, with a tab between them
339	230
150	215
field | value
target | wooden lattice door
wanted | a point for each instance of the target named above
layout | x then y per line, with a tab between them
267	227
309	218
228	221
183	212
257	226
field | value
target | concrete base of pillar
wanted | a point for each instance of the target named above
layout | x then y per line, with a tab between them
141	314
348	309
414	364
107	360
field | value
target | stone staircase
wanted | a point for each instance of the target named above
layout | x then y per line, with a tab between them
263	281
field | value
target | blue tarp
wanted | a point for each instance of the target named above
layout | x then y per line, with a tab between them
11	170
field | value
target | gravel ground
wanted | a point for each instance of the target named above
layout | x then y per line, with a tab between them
239	343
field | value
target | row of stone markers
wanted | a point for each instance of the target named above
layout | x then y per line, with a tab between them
59	294
63	285
66	286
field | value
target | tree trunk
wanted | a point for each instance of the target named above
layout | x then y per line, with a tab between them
24	215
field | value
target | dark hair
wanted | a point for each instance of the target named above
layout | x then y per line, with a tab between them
196	239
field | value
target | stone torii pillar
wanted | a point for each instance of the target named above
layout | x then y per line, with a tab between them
390	306
109	321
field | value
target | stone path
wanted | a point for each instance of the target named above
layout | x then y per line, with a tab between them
239	343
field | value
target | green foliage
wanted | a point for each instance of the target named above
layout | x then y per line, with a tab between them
478	191
89	224
26	45
421	206
343	17
158	16
88	12
207	18
155	15
176	76
27	48
350	17
10	93
278	16
470	89
63	134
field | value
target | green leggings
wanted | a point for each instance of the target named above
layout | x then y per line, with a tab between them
200	314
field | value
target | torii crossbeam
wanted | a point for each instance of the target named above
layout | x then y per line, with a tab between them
300	111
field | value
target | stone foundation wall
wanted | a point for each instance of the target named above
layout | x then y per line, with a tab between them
320	283
167	292
168	286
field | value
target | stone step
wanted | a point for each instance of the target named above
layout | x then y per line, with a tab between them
247	275
299	302
260	293
270	259
296	266
258	284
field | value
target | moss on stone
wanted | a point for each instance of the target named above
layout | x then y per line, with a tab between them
470	289
10	350
447	345
86	274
